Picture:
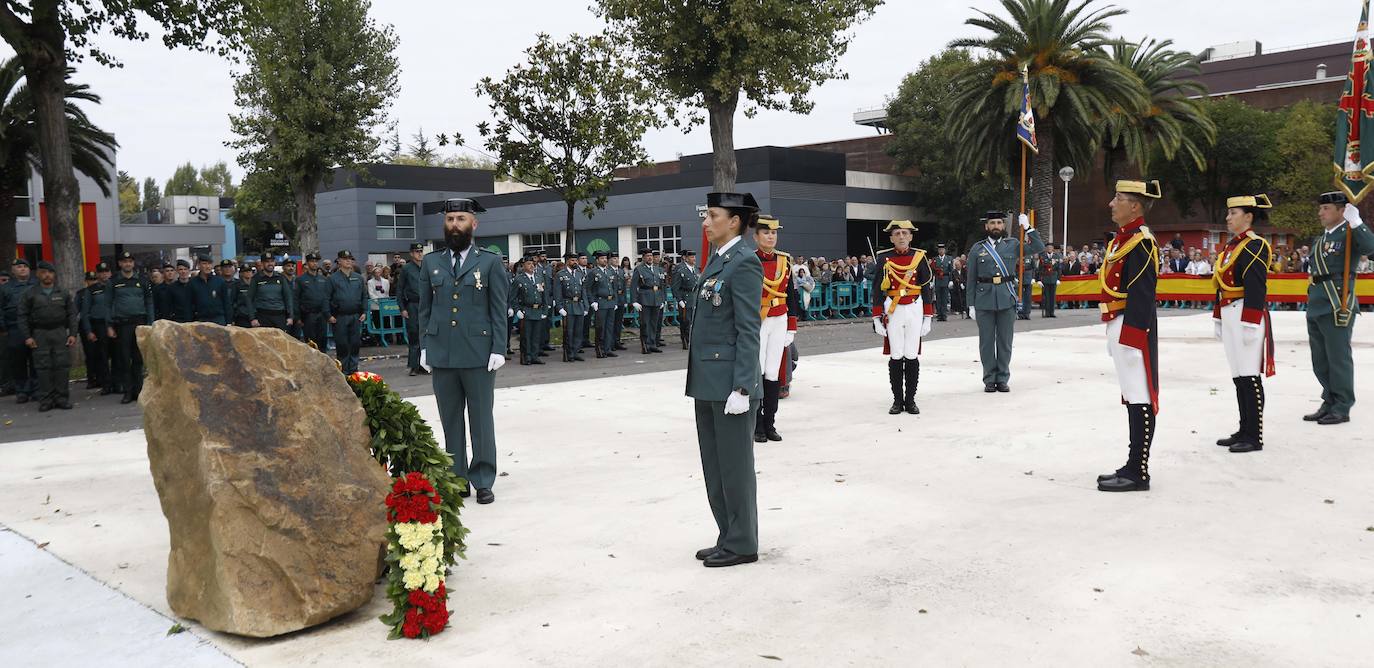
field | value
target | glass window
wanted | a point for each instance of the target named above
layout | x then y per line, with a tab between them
395	220
666	239
548	242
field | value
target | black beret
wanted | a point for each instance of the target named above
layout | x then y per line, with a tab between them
183	263
1336	197
345	255
44	264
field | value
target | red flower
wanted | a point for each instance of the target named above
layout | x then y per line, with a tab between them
412	499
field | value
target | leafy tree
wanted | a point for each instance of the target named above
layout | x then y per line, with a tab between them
1074	86
1245	159
218	180
567	118
185	181
262	207
708	54
92	148
49	35
129	198
917	116
421	151
1168	77
152	194
1303	142
321	76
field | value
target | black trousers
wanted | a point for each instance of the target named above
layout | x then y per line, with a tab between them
130	359
19	361
273	319
315	327
98	353
1047	291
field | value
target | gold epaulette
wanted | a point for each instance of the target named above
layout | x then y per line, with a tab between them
780	253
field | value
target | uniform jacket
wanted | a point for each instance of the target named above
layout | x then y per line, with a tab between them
211	300
981	264
312	293
130	298
347	295
1129	274
601	287
684	282
463	309
571	293
242	292
1049	268
778	267
1328	259
943	267
94	307
648	286
272	293
56	310
528	297
920	281
409	283
724	354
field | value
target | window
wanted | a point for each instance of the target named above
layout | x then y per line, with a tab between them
395	220
548	242
666	239
20	205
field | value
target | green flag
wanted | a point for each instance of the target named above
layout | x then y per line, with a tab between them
1354	167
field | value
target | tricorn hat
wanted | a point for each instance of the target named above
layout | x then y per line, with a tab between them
1335	197
1260	201
732	201
456	204
899	225
994	215
767	222
1144	188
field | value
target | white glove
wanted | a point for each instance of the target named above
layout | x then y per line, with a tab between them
1250	333
971	313
424	360
682	304
596	306
925	325
637	306
1352	215
495	362
878	327
736	404
563	312
520	315
1024	220
791	336
1037	284
510	313
1216	329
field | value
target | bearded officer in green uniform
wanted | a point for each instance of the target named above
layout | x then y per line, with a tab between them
1329	322
462	323
723	372
943	266
992	294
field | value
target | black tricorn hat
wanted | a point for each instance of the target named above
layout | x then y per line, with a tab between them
456	204
688	252
732	201
599	253
998	215
1335	197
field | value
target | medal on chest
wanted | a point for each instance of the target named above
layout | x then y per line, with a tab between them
477	278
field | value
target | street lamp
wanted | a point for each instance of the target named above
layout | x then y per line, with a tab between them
1067	175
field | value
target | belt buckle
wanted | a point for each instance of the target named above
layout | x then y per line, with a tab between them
996	280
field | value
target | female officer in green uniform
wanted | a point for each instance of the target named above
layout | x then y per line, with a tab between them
723	377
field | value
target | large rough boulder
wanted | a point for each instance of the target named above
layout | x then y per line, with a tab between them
259	451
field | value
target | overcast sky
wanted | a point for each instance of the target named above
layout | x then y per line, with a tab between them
169	107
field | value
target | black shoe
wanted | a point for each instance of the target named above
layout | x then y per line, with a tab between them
64	405
1329	418
655	349
1108	476
22	399
941	319
1229	440
548	349
579	358
990	387
600	355
1119	484
772	435
537	361
725	557
1002	387
412	372
1242	446
705	552
421	371
127	399
897	408
484	496
620	346
543	354
760	438
911	407
44	406
1313	417
612	355
467	491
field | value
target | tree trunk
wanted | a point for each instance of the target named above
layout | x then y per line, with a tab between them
722	120
9	239
61	194
1043	174
570	242
307	229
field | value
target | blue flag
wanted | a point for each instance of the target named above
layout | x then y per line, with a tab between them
1025	123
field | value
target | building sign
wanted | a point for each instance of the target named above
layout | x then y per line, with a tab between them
192	209
701	211
279	239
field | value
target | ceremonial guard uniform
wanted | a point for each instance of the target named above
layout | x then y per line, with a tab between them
1241	316
992	296
130	304
779	305
943	266
902	313
723	378
345	310
648	287
1329	326
1048	275
572	305
48	323
210	298
530	306
1129	273
463	310
408	295
312	303
684	283
273	303
601	292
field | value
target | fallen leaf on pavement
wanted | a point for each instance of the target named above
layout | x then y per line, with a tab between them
176	628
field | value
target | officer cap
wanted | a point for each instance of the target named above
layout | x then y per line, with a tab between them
995	215
345	255
44	265
582	254
247	267
168	266
267	257
312	256
732	201
543	253
645	250
456	204
5	273
599	254
90	276
203	258
126	255
1336	197
657	253
417	247
226	262
19	261
570	256
183	263
767	222
939	245
614	253
102	267
689	253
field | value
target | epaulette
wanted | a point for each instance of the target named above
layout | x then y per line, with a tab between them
781	254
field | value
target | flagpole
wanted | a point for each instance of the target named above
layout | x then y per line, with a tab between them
1021	247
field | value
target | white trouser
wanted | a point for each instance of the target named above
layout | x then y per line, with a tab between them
904	330
772	343
1245	358
1130	366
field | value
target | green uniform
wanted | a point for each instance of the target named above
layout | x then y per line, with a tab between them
684	284
943	266
621	280
462	322
570	297
1329	338
95	321
347	304
242	293
531	305
723	358
48	316
992	293
312	299
601	292
408	297
649	288
18	356
130	300
272	300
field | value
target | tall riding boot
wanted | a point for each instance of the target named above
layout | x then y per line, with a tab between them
1241	405
913	377
1135	475
1252	427
768	410
894	377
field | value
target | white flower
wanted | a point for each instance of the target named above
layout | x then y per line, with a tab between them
411	561
431	583
413	580
429	565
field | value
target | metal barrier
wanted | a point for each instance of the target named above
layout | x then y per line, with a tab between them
844	299
386	320
819	304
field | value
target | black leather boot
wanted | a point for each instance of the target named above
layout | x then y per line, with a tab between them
768	411
1241	406
1252	429
895	374
1135	475
913	377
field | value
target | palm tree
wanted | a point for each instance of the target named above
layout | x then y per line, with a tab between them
1168	77
1074	87
92	148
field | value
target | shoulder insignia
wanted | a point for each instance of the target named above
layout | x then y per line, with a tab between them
780	253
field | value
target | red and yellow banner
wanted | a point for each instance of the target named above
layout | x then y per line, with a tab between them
90	235
1283	288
